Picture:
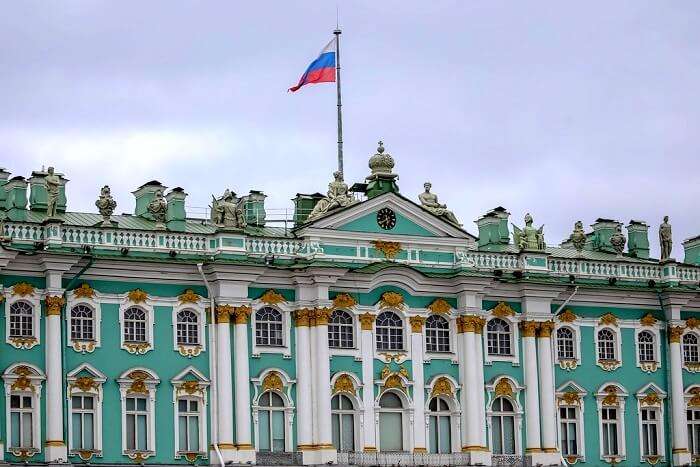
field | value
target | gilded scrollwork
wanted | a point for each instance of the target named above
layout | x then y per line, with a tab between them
84	291
388	249
344	383
391	300
440	306
344	300
502	310
272	297
272	382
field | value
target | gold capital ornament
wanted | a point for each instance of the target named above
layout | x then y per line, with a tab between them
366	321
54	304
675	333
545	329
417	323
241	314
223	314
528	328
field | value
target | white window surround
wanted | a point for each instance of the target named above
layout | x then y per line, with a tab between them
285	309
648	367
452	328
190	350
580	406
86	385
406	418
259	389
690	367
357	337
518	411
94	305
609	365
514	359
25	380
357	405
35	302
643	401
620	397
453	404
146	306
191	384
139	382
405	331
568	364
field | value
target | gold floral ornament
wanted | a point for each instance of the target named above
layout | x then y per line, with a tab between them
189	297
322	316
391	300
191	387
366	321
137	296
344	383
608	319
22	383
503	388
528	328
417	323
647	320
54	304
675	333
272	382
303	317
442	387
545	329
388	249
567	316
611	398
570	398
23	289
84	291
138	384
394	381
343	300
241	314
502	310
692	323
651	398
695	397
223	313
272	297
84	383
440	306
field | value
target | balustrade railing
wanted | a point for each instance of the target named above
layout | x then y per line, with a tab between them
635	271
401	458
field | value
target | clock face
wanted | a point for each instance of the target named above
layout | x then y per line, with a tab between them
386	218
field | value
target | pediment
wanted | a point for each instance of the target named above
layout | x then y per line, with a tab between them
411	220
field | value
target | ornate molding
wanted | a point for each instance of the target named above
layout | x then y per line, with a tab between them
568	363
241	314
391	300
272	382
545	329
695	397
84	291
137	296
692	323
139	348
23	289
54	304
440	306
22	383
608	319
648	320
190	388
83	346
611	399
394	381
322	316
609	365
85	384
417	323
528	328
442	387
388	249
503	388
648	367
272	297
651	398
570	398
223	313
188	297
567	316
24	343
344	383
189	351
138	382
367	321
675	333
343	300
502	310
303	317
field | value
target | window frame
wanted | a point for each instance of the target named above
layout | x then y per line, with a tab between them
518	410
616	362
651	365
450	337
621	396
568	364
406	412
137	348
24	380
289	408
644	403
688	365
184	388
514	359
352	326
79	345
24	342
190	350
695	423
129	387
453	417
404	336
283	349
356	414
94	389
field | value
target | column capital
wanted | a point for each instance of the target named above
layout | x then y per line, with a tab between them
545	329
674	334
241	314
303	317
366	321
417	323
223	313
529	328
54	304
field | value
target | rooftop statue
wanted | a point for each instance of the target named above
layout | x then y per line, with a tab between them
665	240
617	240
157	208
227	211
53	183
429	201
529	238
338	196
578	237
106	204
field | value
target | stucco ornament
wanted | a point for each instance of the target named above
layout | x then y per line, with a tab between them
618	241
228	211
53	183
442	387
430	203
84	291
503	388
272	297
106	204
188	296
344	383
338	196
570	398
158	208
502	310
578	236
272	382
343	300
391	300
665	239
440	306
22	289
389	249
567	316
529	238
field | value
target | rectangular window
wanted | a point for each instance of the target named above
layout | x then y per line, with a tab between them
610	438
21	421
693	417
83	423
568	431
188	425
137	419
650	432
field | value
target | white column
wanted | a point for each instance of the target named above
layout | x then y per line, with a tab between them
246	452
419	428
470	411
546	383
304	383
224	383
532	404
479	380
55	445
681	454
367	349
323	382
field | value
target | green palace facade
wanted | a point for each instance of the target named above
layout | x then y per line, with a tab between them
371	328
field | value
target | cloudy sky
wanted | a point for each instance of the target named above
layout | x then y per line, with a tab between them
566	111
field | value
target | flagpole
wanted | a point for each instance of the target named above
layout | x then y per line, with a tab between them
337	33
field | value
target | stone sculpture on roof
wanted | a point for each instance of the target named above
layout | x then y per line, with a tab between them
578	237
227	211
529	238
106	204
158	208
53	184
338	196
618	240
429	201
665	239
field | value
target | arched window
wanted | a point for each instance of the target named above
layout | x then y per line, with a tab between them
606	345
341	332
271	423
389	331
498	337
565	344
187	328
691	350
437	334
390	422
439	426
645	343
82	323
343	423
21	320
503	426
135	325
268	327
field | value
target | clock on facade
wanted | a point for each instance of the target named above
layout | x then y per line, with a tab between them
386	218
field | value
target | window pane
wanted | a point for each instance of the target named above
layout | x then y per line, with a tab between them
445	437
77	431
433	434
130	431
142	433
278	431
497	435
348	432
182	433
264	430
14	429
335	427
27	430
390	432
88	436
193	433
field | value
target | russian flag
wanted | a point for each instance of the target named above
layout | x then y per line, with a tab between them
321	70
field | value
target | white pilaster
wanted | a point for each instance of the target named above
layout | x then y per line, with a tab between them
56	450
546	387
532	404
367	349
304	383
224	384
472	427
681	454
479	380
246	452
322	381
419	428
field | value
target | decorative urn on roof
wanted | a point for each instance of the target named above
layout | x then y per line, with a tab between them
381	163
